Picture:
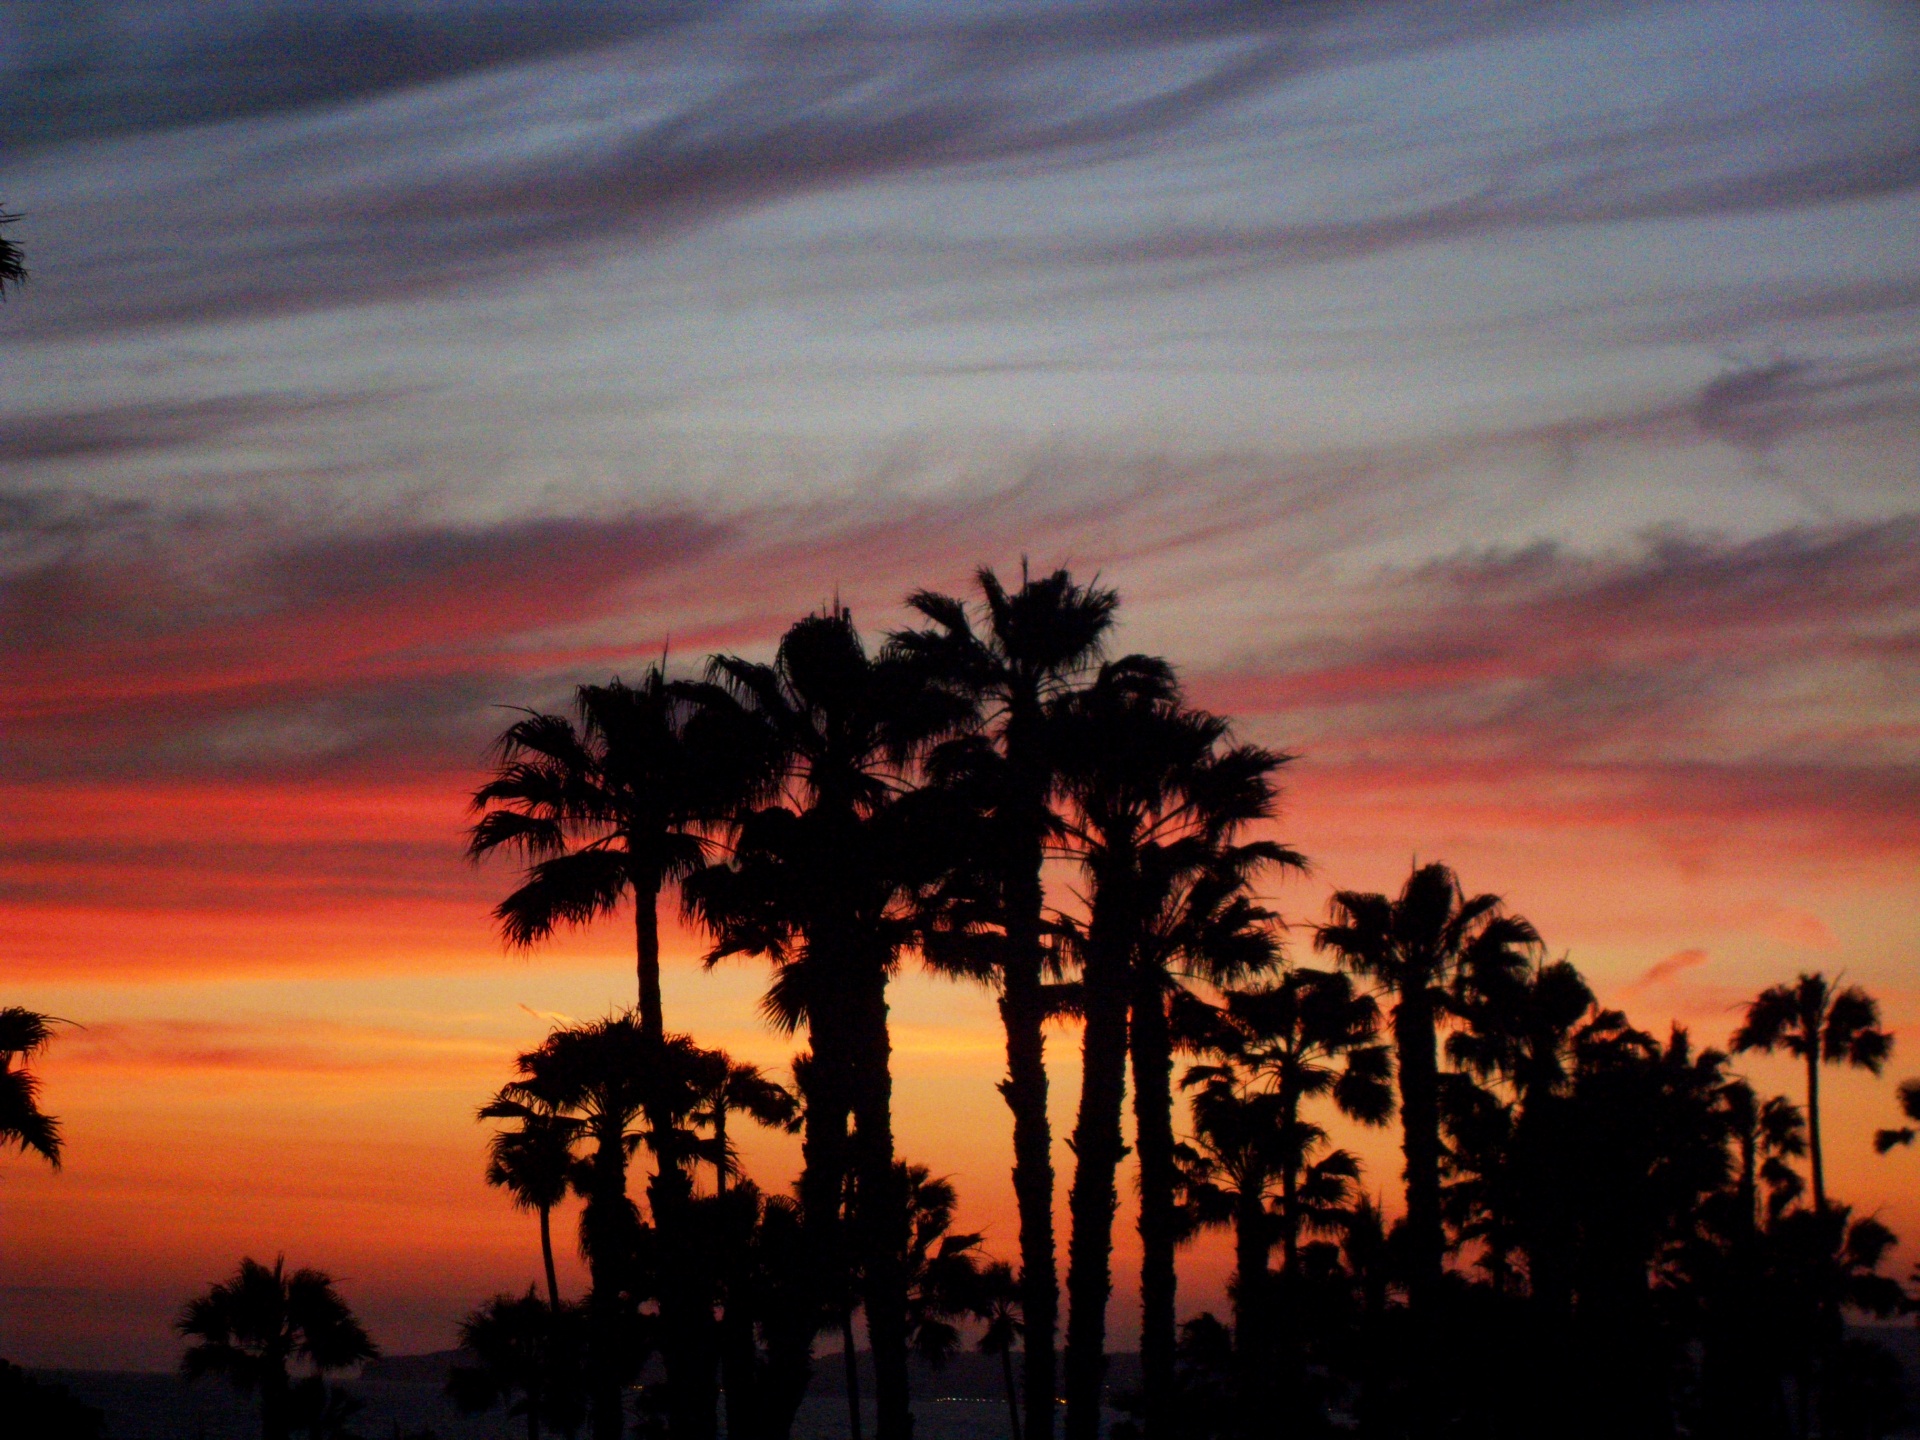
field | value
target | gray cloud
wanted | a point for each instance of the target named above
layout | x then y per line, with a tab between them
642	140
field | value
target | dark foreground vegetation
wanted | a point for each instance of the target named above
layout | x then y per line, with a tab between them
1604	1232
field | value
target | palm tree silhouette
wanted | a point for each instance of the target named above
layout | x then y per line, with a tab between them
535	1165
735	1088
1309	1036
823	884
588	1083
618	802
1158	796
1204	925
250	1328
524	1348
1037	645
1000	1310
13	263
1885	1140
1818	1024
1765	1133
23	1035
1230	1174
1415	947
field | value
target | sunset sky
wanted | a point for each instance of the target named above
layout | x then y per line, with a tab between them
1512	408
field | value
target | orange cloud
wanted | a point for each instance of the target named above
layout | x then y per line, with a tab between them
1675	964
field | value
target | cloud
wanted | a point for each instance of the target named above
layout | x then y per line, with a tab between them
1675	964
619	141
132	429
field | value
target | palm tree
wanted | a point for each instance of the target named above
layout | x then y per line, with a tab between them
1885	1140
250	1328
535	1165
524	1348
588	1083
23	1035
1308	1037
1415	947
822	883
1817	1023
1000	1310
617	802
1765	1133
1157	796
13	264
1036	646
1230	1176
741	1089
1204	925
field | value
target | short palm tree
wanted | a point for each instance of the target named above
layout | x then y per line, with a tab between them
1765	1134
1818	1024
1035	646
535	1165
1414	947
23	1035
1001	1326
1885	1140
527	1361
250	1329
1231	1176
739	1089
587	1082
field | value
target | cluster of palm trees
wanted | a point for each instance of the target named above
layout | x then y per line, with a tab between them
1605	1232
993	794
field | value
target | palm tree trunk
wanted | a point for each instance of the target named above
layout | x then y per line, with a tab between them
1097	1151
1252	1416
1013	1394
687	1347
1414	1038
646	925
1417	1043
605	1233
275	1397
850	1368
879	1206
738	1214
823	1179
1152	1049
1813	1123
720	1147
1023	1013
546	1254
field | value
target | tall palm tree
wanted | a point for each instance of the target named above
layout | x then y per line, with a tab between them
619	801
23	1035
535	1165
1156	792
821	883
250	1328
1035	646
1885	1140
589	1082
1415	946
1203	925
1818	1024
